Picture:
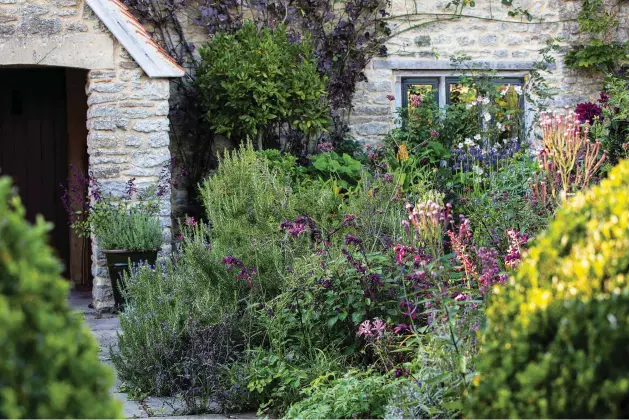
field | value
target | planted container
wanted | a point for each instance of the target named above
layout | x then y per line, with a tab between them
119	261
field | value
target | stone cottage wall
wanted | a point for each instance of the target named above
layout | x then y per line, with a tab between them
128	138
508	46
127	118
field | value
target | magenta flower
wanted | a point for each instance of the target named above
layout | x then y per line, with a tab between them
416	100
401	328
325	147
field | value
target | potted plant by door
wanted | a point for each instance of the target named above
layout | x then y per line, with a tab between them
128	230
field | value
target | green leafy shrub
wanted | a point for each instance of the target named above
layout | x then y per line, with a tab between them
257	80
354	395
49	366
344	170
558	332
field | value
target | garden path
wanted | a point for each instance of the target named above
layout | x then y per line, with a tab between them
104	327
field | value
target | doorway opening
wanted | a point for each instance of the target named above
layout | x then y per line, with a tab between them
43	114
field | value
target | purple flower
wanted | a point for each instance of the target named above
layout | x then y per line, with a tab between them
351	239
325	147
230	261
349	220
416	100
401	328
587	112
130	188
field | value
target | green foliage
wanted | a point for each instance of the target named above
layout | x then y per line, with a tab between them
597	56
343	169
505	205
178	323
557	333
602	53
127	222
257	80
245	203
49	366
277	382
129	229
354	395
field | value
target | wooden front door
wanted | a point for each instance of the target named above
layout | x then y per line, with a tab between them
33	144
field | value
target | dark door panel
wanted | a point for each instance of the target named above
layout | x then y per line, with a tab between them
33	144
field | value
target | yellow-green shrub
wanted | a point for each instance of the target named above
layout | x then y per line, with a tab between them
557	341
48	359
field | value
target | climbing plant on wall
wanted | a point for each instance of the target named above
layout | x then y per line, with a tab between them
601	51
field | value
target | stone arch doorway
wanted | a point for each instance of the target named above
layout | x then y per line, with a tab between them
115	79
42	131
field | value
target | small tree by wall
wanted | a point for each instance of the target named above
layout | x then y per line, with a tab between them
256	83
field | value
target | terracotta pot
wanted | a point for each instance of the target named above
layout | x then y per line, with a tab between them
118	261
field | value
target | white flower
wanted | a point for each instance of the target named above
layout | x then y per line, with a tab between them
469	106
499	126
485	101
460	145
487	116
518	90
469	143
477	170
504	90
477	137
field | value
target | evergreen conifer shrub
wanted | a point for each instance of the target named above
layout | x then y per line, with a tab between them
557	339
48	359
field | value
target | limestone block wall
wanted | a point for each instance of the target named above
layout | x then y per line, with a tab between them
127	119
128	138
423	49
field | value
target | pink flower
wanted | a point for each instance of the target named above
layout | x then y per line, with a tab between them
379	326
416	100
325	147
401	328
364	329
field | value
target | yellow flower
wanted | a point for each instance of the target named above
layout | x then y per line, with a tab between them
402	153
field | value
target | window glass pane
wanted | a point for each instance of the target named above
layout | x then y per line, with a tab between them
424	88
425	92
459	94
509	101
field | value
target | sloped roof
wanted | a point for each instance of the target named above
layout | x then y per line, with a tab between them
135	39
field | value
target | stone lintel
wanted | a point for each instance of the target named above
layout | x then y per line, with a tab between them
84	51
418	64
